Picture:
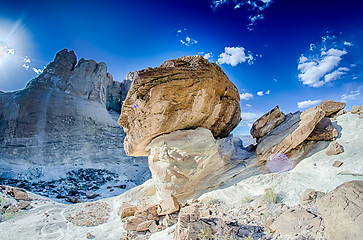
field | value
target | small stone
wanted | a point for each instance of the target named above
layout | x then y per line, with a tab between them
168	205
149	212
73	199
334	148
145	226
90	236
91	195
308	196
132	222
127	210
337	164
24	204
267	223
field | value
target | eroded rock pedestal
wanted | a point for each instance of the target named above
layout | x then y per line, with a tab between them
187	161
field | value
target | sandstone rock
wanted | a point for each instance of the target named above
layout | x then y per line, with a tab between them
24	204
168	205
296	221
323	131
330	107
342	211
334	148
147	225
185	162
337	164
267	122
126	210
149	212
267	223
355	109
90	236
17	193
190	226
132	222
184	93
308	196
289	134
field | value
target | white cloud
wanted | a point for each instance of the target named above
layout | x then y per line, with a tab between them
335	74
26	60
351	96
216	3
179	31
253	20
248	105
260	93
234	56
11	51
348	43
248	118
26	66
188	41
208	56
37	70
312	70
245	96
312	47
308	103
267	92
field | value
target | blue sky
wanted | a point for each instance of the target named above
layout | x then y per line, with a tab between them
294	54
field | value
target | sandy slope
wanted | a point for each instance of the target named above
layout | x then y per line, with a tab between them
315	172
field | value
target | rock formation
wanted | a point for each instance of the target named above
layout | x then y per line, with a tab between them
323	131
289	134
61	118
184	93
330	107
187	161
266	123
342	210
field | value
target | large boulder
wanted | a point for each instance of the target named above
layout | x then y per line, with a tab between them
330	107
267	122
289	134
186	162
323	131
342	211
183	93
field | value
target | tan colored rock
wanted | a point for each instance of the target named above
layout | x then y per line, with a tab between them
17	193
133	222
149	212
183	93
267	122
342	211
147	225
168	205
267	223
334	148
323	131
355	109
330	107
185	162
288	135
296	221
337	164
308	196
126	210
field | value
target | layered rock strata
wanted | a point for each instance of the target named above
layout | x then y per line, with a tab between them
183	93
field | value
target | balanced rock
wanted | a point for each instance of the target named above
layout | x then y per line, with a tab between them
330	107
184	93
342	211
323	131
267	122
289	134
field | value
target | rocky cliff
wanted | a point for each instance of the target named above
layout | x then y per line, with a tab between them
61	119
